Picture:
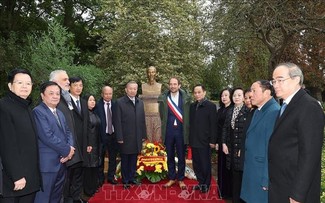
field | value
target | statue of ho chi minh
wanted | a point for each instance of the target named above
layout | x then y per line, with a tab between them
150	92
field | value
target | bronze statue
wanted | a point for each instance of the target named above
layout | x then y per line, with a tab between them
152	87
150	92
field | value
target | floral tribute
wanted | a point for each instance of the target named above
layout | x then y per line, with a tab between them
152	163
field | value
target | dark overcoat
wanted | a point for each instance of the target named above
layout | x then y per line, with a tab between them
129	124
68	114
18	146
295	150
233	138
202	124
94	140
82	125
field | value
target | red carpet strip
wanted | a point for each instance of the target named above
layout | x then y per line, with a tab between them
148	192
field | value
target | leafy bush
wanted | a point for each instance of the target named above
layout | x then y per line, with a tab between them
53	49
93	78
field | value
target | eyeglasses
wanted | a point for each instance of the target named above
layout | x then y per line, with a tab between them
279	81
18	82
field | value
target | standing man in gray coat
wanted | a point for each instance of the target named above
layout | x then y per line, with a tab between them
130	128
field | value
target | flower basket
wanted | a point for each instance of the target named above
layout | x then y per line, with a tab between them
152	163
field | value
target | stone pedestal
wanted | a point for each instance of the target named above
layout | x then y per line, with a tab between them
153	121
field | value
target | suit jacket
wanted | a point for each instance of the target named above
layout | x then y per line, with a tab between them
68	114
54	139
295	150
130	125
18	146
203	124
163	113
100	111
82	125
256	160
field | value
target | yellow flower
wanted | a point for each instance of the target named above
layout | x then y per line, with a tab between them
158	168
165	165
150	145
140	169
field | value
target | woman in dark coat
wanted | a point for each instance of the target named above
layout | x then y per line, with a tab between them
225	104
18	141
232	133
91	180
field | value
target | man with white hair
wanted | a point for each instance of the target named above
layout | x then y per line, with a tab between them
295	147
71	192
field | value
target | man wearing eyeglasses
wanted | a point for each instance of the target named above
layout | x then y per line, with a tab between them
296	143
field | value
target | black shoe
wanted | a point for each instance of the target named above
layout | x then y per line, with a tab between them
80	201
205	188
113	182
126	186
134	182
197	187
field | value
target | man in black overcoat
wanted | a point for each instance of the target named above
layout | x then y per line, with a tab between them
19	166
295	146
203	136
81	121
130	129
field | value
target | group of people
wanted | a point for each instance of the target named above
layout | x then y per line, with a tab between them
266	152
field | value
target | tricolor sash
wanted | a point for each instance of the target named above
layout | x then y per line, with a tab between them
175	109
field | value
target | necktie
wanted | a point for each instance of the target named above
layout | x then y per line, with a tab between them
56	117
133	100
78	105
283	107
109	119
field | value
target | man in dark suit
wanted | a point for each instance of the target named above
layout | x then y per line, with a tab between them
104	109
81	122
203	136
130	129
55	143
295	146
